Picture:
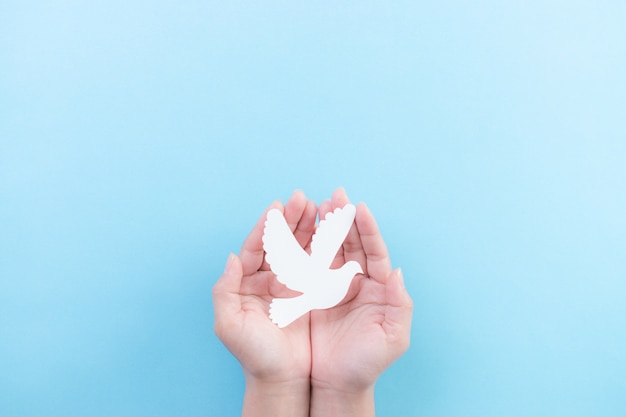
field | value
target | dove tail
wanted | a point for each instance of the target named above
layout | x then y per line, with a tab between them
284	311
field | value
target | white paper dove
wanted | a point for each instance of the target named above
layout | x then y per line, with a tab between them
321	287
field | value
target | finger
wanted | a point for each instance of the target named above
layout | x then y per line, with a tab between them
353	249
294	209
226	299
306	226
352	246
378	263
251	254
399	312
324	208
339	198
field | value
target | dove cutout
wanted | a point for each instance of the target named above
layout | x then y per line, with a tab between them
321	287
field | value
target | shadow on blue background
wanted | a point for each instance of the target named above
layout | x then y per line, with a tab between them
139	143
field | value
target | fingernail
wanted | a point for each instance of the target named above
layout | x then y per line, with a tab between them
401	278
229	264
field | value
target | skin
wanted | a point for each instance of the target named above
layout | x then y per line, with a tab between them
355	341
326	362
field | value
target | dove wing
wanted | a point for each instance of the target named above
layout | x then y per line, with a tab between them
330	234
283	253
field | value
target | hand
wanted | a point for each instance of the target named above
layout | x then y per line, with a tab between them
276	362
355	341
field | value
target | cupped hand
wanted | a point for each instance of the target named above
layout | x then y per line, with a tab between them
241	299
355	341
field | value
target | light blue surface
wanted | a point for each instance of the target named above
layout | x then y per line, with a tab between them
140	141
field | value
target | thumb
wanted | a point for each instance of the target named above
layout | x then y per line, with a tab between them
226	300
399	310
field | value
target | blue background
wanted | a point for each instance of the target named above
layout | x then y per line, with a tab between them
140	141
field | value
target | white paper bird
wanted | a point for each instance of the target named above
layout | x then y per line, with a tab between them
321	287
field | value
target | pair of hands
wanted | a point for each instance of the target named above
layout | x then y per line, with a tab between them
326	357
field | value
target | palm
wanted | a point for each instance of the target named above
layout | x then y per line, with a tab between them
268	351
351	330
242	297
355	341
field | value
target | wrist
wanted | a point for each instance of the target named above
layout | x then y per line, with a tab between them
327	400
276	398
